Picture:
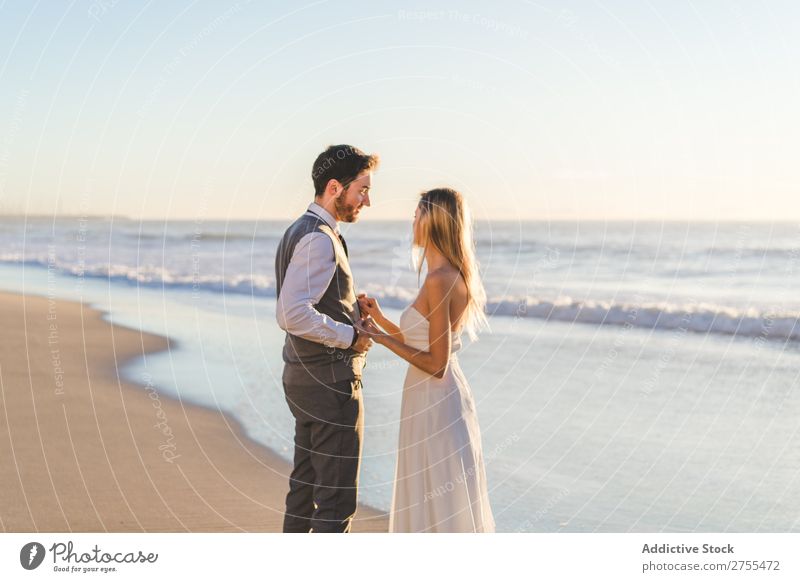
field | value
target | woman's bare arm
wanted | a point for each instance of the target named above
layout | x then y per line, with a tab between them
389	327
434	361
369	305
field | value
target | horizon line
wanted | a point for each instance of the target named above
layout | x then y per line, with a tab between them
382	219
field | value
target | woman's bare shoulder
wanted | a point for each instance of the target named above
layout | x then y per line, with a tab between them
440	279
445	282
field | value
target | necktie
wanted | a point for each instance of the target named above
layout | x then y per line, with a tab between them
344	244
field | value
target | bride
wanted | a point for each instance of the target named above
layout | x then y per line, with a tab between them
440	481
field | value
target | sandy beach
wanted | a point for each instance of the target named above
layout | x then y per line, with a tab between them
82	450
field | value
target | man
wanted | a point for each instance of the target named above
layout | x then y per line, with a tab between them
323	353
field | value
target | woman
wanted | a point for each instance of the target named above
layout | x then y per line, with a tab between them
440	482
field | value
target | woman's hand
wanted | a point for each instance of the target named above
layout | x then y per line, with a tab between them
369	307
369	328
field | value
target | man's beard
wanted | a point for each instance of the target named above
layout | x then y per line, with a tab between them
345	212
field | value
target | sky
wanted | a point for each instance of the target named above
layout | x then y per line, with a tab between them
534	110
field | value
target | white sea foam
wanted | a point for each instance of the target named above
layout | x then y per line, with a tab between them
701	317
702	278
695	317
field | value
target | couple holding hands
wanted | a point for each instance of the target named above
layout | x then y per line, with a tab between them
440	480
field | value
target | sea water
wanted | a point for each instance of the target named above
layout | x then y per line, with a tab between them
637	376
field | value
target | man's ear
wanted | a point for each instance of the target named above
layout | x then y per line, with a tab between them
334	187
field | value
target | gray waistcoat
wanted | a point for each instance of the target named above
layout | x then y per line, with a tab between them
308	362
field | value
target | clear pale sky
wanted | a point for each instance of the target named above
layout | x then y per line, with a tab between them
540	110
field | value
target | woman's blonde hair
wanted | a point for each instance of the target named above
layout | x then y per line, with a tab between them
446	224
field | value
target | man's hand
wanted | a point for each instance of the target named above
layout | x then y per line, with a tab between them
367	328
363	341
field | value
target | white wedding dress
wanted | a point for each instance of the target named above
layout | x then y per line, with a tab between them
440	481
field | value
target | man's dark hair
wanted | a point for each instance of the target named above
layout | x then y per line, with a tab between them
342	163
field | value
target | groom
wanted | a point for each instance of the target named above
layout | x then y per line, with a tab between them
323	354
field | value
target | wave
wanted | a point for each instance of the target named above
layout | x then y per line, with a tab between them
157	277
701	318
144	237
199	237
695	317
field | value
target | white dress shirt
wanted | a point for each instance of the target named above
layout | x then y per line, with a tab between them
308	276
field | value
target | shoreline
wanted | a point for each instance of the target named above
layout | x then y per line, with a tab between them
84	449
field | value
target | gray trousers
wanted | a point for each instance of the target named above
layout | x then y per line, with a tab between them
329	428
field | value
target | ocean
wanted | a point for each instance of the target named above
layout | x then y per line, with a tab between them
638	376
